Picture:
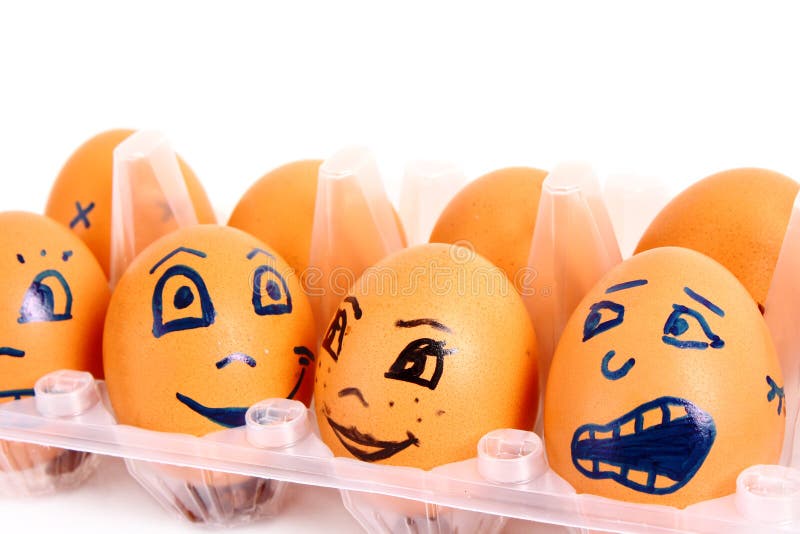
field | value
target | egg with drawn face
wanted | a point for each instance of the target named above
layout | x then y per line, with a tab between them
665	384
54	297
205	322
431	349
81	197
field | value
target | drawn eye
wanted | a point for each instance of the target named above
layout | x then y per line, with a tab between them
603	315
688	329
332	342
188	304
270	293
48	298
421	362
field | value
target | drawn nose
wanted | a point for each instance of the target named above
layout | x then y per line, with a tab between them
356	393
236	357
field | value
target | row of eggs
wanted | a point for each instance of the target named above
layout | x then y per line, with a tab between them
664	386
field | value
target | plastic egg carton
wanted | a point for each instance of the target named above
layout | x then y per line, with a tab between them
241	474
51	441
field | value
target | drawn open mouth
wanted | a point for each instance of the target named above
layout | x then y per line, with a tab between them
655	448
375	449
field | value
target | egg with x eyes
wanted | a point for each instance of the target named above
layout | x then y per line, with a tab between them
665	384
432	349
206	321
81	197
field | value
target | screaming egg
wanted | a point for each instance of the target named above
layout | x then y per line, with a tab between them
81	195
496	215
431	349
205	322
737	217
665	384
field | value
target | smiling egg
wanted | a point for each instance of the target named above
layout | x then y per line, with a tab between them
205	322
81	196
431	350
665	384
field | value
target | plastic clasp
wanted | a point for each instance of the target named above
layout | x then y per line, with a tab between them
65	393
769	493
276	423
510	456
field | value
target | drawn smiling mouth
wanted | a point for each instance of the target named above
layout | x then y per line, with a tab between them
655	448
375	449
227	417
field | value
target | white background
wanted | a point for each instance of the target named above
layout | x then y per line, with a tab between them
673	92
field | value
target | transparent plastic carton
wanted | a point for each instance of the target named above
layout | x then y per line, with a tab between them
241	474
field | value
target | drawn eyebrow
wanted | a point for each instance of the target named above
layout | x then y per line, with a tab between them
356	308
625	285
705	302
198	253
252	253
433	323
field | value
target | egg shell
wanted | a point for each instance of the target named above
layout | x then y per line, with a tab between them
433	350
81	195
738	217
279	210
53	299
205	322
495	214
633	351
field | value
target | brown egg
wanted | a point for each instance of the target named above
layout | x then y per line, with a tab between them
738	217
665	384
279	210
431	350
204	323
81	195
54	297
495	214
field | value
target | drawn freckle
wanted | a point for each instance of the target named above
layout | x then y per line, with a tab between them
20	258
43	252
391	403
329	370
419	419
416	400
439	412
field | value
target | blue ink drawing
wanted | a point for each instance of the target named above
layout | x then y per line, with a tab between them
625	285
39	302
66	255
16	394
198	253
705	302
775	391
593	324
82	216
11	351
252	253
619	373
657	459
226	417
275	288
184	296
677	325
20	258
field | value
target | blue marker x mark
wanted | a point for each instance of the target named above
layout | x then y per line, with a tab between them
82	216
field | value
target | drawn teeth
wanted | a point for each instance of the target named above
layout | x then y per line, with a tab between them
604	467
652	418
639	477
627	428
663	482
587	465
676	412
599	434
